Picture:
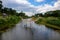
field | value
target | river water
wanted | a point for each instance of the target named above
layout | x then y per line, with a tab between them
28	30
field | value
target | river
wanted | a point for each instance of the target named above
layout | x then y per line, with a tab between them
29	30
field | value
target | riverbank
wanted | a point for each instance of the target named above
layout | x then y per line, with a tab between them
50	22
8	22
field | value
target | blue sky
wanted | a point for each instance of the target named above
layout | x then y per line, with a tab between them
30	7
43	2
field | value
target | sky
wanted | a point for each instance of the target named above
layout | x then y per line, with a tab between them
31	7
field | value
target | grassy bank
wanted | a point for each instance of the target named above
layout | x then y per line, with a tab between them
8	22
51	22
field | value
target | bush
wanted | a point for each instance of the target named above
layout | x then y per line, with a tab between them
8	21
39	20
54	22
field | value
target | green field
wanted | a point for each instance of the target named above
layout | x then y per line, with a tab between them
52	22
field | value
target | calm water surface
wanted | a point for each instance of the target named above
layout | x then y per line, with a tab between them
33	32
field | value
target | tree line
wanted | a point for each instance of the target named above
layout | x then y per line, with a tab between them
55	13
10	11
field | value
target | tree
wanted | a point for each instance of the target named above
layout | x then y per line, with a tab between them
21	14
55	13
38	15
12	12
1	5
9	11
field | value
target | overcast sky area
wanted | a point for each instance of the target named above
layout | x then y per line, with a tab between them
30	7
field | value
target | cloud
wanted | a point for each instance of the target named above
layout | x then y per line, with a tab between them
19	4
28	8
22	2
39	0
48	7
57	4
29	13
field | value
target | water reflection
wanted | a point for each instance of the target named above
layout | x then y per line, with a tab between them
40	32
32	32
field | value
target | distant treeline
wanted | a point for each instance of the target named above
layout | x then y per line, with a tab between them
10	11
55	13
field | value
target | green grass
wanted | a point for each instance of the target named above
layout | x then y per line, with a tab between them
54	22
51	22
39	21
8	22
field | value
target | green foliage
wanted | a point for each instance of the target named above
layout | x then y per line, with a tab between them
54	22
39	21
9	11
1	5
22	14
38	15
8	22
11	18
51	22
55	13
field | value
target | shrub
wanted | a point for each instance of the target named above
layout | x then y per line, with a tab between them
8	21
39	20
54	22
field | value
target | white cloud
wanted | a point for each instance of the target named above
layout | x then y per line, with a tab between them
22	1
20	5
57	4
30	9
39	0
48	7
29	13
44	8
